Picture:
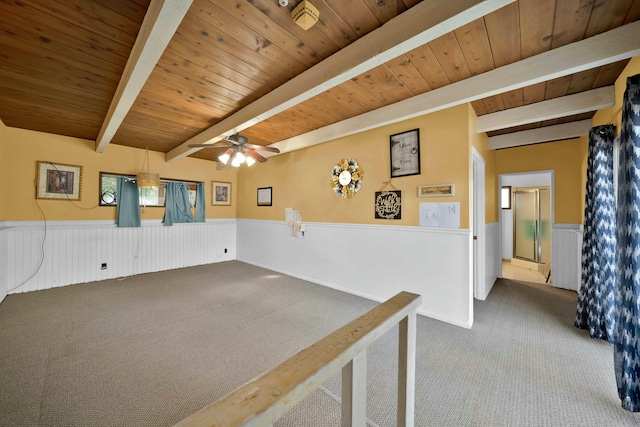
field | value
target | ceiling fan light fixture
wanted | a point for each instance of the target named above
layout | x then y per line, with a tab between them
224	158
250	161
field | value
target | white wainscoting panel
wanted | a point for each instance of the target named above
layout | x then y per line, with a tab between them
492	257
74	251
3	264
372	261
566	256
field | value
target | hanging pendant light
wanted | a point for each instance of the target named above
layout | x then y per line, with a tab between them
147	179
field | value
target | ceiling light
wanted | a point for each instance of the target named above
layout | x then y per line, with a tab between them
224	158
250	161
147	179
237	161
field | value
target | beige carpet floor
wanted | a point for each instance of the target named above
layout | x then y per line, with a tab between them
151	349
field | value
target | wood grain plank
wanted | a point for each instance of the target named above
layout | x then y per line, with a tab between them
534	93
261	401
221	21
513	98
57	32
536	26
265	27
388	80
341	101
115	27
132	10
332	25
634	12
503	29
52	73
556	88
479	108
607	15
356	15
314	38
211	33
450	57
360	95
474	43
572	18
608	74
582	81
430	69
214	53
208	71
385	10
370	84
493	103
407	73
31	43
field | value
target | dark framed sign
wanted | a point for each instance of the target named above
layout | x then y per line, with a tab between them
388	204
265	196
405	153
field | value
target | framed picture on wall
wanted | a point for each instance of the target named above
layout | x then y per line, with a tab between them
405	153
221	193
264	196
58	181
437	190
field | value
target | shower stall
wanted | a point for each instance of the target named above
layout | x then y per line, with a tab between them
532	226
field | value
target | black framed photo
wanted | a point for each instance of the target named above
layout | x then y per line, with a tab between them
265	196
405	153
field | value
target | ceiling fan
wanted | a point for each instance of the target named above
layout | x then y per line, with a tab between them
239	151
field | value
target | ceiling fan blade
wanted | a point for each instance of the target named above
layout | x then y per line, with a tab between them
215	145
255	155
262	147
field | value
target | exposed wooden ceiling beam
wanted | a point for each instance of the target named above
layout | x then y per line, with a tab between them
545	134
160	24
612	46
591	100
425	21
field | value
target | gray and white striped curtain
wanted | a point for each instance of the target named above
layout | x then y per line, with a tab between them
595	311
627	312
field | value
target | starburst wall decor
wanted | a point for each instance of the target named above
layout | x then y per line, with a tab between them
346	178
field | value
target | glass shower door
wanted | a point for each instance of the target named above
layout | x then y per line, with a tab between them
525	225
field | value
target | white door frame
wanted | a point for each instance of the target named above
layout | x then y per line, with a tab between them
478	257
532	179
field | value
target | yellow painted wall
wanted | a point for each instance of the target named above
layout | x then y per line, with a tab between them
21	149
3	176
480	142
567	159
300	179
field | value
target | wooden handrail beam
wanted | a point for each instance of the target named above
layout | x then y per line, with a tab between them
264	399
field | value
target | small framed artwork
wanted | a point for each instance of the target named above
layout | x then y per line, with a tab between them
264	196
437	190
405	153
388	204
221	193
58	181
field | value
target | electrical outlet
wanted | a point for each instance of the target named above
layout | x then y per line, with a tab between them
103	266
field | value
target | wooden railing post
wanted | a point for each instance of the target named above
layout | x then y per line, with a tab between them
260	402
407	371
354	392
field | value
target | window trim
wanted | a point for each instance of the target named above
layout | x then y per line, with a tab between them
191	185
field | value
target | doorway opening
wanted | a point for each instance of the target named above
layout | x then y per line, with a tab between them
526	227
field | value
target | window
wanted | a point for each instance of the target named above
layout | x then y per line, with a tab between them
505	197
153	197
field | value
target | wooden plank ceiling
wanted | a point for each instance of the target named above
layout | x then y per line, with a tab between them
61	61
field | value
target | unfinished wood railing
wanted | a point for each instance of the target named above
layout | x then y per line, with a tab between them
266	398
